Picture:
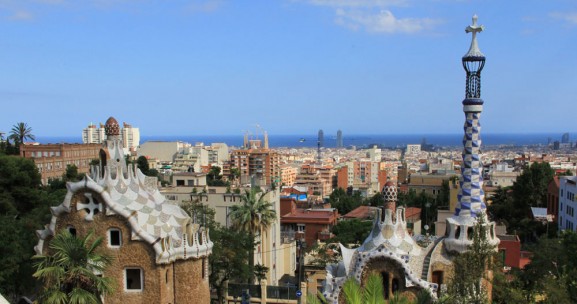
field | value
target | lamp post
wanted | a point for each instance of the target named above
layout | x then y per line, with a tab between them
427	205
301	245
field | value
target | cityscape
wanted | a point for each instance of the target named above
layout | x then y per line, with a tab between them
326	201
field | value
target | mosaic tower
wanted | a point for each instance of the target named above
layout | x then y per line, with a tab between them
471	197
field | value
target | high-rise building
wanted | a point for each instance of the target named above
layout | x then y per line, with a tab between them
471	197
321	138
339	139
257	166
130	136
565	138
93	135
96	135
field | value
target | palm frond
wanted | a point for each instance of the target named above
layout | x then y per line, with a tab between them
352	291
54	296
373	291
69	273
82	296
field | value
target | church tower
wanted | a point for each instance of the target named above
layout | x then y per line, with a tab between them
471	197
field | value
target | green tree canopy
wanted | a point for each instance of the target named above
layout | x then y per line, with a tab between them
253	215
71	174
345	202
214	178
229	258
512	206
24	208
353	231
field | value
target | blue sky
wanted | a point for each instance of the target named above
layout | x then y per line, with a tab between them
184	67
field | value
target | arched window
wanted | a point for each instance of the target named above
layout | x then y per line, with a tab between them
102	162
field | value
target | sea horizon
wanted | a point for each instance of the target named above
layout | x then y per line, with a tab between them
357	140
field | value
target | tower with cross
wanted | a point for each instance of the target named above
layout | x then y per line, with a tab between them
471	197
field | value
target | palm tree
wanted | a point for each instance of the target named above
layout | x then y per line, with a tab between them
371	293
71	272
253	215
20	132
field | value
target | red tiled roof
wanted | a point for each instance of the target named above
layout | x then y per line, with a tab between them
361	212
412	211
321	216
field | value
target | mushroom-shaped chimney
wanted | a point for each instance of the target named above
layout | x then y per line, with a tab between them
390	196
112	128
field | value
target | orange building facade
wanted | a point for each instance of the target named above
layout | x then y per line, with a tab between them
52	159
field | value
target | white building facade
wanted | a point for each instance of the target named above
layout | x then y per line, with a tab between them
96	135
567	219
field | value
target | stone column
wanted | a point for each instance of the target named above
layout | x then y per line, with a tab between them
263	294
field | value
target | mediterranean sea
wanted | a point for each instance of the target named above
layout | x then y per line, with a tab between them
359	141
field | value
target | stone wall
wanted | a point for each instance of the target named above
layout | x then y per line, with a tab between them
178	282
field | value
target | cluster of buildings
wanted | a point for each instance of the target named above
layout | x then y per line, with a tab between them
161	252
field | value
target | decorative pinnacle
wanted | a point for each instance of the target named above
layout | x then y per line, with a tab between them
474	28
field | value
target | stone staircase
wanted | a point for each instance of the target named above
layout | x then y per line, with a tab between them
427	261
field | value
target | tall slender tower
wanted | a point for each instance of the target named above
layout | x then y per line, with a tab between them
339	139
471	198
321	137
319	156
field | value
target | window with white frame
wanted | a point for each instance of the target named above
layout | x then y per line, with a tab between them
114	237
301	227
133	279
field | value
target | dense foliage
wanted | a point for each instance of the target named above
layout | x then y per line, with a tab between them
512	205
230	254
471	268
214	178
253	215
351	232
24	208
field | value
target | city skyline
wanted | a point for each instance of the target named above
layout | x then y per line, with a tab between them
218	67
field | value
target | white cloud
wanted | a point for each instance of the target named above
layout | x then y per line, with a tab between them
358	3
374	16
568	17
383	22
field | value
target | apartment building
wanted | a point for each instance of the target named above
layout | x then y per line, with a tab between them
259	166
567	204
368	177
96	134
52	159
288	175
318	180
